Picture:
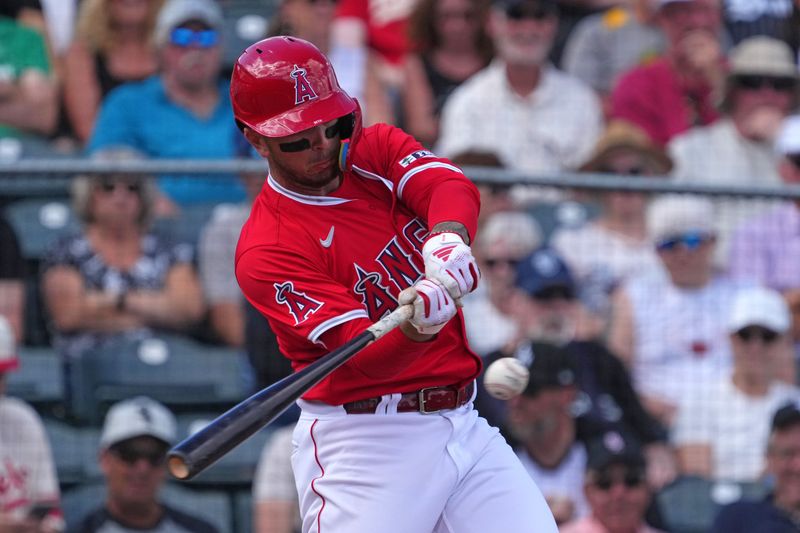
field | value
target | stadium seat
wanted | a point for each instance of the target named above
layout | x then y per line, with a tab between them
236	468
74	451
39	378
690	503
566	214
212	506
243	511
177	371
187	225
40	221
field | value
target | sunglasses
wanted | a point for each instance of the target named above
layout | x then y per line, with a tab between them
766	336
554	293
631	479
131	455
110	185
185	37
628	171
524	10
493	262
690	241
773	82
304	144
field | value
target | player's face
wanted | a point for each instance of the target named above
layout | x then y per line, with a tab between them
618	496
134	471
306	162
783	462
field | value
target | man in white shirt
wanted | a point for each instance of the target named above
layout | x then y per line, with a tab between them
721	429
536	118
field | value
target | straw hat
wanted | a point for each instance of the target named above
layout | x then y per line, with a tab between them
624	136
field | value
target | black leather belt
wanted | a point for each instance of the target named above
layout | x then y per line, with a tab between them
427	400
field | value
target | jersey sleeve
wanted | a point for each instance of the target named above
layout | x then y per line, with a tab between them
432	187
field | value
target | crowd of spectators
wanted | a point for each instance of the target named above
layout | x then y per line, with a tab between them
661	331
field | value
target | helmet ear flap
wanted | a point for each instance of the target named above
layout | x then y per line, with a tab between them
349	132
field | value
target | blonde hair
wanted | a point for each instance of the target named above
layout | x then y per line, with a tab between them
95	27
83	185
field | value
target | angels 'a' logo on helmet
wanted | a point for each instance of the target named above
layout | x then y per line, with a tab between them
302	88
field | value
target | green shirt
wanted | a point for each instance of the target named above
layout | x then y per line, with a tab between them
21	49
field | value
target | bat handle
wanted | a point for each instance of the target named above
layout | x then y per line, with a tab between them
391	321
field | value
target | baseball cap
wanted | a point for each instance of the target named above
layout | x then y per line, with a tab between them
786	417
761	55
8	347
543	269
177	12
759	306
614	447
788	140
672	216
138	417
550	366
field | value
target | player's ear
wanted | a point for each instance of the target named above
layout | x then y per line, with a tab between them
258	141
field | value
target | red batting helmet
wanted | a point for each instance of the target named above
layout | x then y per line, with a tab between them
283	85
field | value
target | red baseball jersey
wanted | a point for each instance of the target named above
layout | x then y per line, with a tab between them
323	268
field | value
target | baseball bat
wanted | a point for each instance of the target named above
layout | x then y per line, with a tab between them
202	449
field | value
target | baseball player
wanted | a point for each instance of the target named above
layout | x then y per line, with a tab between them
350	224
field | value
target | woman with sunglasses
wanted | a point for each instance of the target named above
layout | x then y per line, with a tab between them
113	45
115	277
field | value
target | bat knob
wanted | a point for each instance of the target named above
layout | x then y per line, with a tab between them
178	467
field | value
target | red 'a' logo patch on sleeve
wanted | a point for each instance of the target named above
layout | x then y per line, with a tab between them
300	305
302	88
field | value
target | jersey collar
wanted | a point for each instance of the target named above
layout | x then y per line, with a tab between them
304	198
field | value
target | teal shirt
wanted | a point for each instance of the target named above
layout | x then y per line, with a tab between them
21	49
140	115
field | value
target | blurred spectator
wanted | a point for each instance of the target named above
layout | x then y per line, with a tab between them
614	246
185	111
29	495
760	91
133	450
12	280
503	240
216	252
28	89
451	44
369	41
495	197
547	309
747	18
115	277
113	45
541	428
766	249
605	45
309	20
534	117
722	428
675	92
615	488
275	504
669	329
779	512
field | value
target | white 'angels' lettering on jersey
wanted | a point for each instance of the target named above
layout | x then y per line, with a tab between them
398	265
375	295
300	305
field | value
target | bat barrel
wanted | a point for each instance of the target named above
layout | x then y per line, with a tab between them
202	449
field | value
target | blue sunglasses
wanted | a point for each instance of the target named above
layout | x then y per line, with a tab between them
184	37
690	241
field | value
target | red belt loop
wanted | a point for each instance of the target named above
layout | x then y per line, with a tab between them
427	400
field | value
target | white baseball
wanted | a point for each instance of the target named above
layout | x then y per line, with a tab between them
505	378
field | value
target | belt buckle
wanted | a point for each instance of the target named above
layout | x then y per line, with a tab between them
421	397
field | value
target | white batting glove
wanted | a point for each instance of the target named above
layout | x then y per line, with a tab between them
433	306
448	260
